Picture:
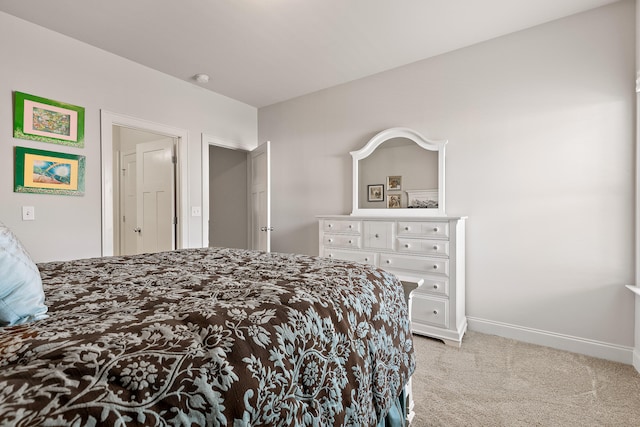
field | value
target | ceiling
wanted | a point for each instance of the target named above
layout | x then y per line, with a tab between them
265	51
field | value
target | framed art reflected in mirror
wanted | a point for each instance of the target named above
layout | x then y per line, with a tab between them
375	193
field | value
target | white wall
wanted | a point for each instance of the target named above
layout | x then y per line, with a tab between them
540	157
47	64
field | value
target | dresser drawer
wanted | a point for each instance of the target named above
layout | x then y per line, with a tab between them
361	257
433	286
423	229
437	266
341	240
434	311
378	234
341	226
423	246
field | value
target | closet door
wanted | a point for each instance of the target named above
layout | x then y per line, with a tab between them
155	188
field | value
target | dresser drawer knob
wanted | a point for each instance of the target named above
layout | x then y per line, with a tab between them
377	235
388	261
350	226
330	240
406	245
435	266
435	247
406	229
435	286
436	229
330	255
366	259
330	225
435	312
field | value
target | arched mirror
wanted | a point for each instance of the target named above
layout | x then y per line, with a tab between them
399	173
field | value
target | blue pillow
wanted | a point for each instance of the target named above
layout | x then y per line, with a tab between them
21	293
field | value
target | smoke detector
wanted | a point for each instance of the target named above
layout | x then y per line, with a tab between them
201	78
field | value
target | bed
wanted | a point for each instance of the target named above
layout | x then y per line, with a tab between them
215	336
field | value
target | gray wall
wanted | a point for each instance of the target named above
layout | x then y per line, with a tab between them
540	157
228	200
47	64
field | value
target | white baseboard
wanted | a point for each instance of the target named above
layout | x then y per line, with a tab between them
601	350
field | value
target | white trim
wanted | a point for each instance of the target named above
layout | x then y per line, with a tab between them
634	289
636	360
205	191
107	120
636	316
208	140
224	143
599	349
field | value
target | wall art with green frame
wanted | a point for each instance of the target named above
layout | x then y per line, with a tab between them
48	172
45	120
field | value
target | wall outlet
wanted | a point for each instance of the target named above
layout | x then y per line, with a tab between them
196	211
28	213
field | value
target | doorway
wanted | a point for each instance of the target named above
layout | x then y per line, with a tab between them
144	192
110	182
257	189
228	198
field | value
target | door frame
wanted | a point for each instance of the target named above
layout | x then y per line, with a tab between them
109	119
209	140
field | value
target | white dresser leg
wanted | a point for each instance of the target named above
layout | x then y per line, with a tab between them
410	404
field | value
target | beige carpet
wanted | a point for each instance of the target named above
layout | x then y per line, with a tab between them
493	381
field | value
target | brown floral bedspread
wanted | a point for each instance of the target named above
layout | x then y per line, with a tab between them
208	337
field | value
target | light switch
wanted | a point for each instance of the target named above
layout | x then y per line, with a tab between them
28	213
196	211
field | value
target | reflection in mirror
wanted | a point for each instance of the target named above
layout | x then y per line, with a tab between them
416	168
399	173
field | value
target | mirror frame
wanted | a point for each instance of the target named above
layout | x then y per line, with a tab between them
370	147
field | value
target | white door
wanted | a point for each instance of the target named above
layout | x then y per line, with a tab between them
128	237
155	188
260	188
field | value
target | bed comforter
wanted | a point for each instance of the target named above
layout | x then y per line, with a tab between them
218	337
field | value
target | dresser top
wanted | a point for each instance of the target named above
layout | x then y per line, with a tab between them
393	218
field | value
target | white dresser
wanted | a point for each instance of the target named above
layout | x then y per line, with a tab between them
428	251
